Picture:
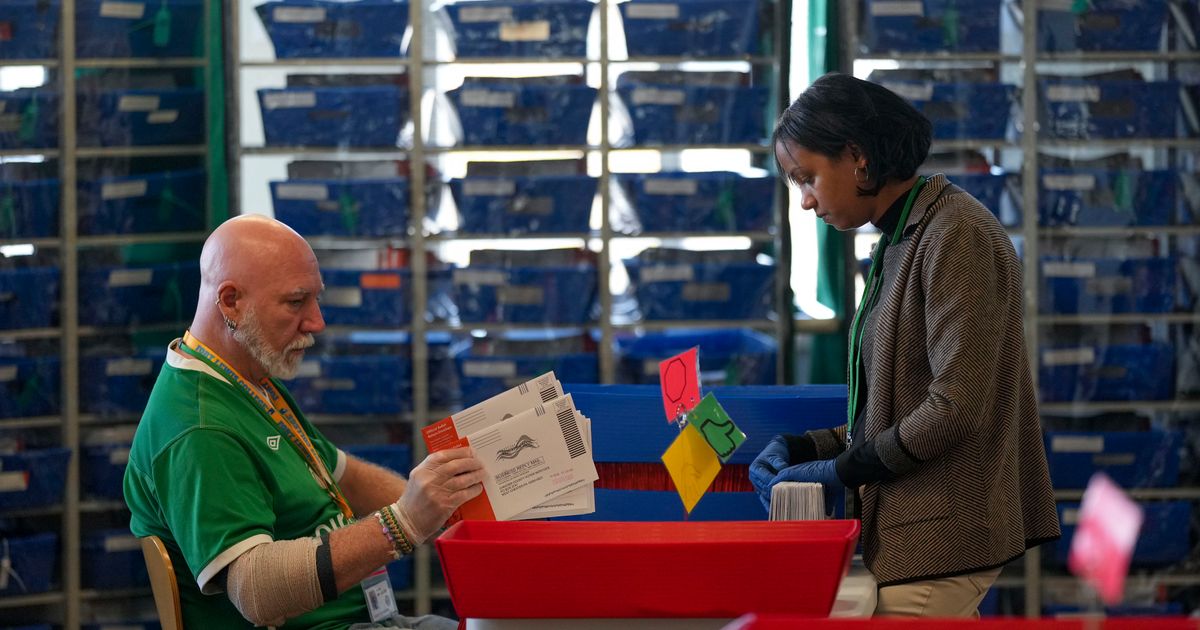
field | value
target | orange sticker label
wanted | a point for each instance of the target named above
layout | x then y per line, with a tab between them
379	281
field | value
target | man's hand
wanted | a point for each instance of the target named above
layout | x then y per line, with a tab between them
436	487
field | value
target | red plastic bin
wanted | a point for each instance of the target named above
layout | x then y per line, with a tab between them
548	570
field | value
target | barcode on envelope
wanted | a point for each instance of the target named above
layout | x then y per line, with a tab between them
570	431
548	394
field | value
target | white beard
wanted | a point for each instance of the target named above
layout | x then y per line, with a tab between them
281	365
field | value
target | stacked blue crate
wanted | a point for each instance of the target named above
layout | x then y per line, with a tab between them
34	559
370	384
988	188
443	387
150	28
352	116
1133	459
528	204
520	28
168	201
29	297
1102	25
103	470
33	478
717	201
139	295
926	26
1083	108
1097	198
29	119
1164	538
29	29
118	384
686	110
541	111
727	357
366	298
713	291
978	111
691	28
29	386
482	376
1113	372
394	457
112	559
1071	286
525	295
141	117
327	28
29	208
374	207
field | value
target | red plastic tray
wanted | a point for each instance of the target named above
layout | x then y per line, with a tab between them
786	622
545	569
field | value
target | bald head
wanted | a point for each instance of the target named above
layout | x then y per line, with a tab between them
248	247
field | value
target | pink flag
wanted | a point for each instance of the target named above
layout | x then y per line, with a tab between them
1106	533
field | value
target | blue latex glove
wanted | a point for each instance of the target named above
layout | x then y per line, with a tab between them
772	460
822	471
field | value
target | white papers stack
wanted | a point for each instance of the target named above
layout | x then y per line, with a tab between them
792	501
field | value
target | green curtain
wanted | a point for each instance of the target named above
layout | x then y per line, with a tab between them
214	82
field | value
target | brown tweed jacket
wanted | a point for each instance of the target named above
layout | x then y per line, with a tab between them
951	404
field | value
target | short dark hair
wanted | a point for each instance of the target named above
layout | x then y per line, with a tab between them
839	110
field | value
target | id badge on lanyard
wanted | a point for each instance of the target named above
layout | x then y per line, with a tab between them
381	599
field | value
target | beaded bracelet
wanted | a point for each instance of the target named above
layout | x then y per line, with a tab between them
399	539
387	533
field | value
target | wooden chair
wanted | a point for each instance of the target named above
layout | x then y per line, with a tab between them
162	582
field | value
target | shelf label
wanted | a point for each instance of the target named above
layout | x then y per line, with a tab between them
489	187
657	96
480	277
9	123
706	292
124	190
138	103
493	369
488	98
1057	5
8	373
334	384
901	8
522	296
298	15
475	15
1077	444
667	273
536	206
1069	182
305	192
661	186
345	297
1070	517
911	91
123	10
15	481
1069	356
128	367
163	117
308	369
117	544
118	456
289	100
1072	93
1069	269
638	11
130	278
534	31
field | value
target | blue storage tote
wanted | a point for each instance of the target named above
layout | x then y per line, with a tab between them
525	295
36	478
1163	539
715	201
653	505
516	28
926	26
1098	198
29	119
366	116
30	386
148	28
112	559
394	457
400	573
366	384
534	204
518	115
145	294
170	201
118	385
1133	459
366	298
29	297
1116	372
34	559
695	114
481	377
1082	109
322	28
979	111
1103	25
727	357
141	117
628	424
1107	285
29	29
710	291
103	470
443	386
343	207
29	209
986	187
691	28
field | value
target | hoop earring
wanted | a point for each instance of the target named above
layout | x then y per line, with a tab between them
865	175
229	323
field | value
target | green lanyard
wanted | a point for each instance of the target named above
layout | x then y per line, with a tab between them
870	297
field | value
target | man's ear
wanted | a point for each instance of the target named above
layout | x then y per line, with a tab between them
227	298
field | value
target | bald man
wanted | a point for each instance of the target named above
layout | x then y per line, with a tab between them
266	521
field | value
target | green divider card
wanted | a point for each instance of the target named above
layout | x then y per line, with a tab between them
716	426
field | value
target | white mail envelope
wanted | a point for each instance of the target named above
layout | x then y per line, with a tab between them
575	502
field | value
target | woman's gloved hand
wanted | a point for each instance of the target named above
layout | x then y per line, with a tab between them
772	459
822	471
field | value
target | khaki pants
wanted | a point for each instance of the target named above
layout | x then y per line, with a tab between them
957	596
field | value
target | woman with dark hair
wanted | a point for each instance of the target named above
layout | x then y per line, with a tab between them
942	452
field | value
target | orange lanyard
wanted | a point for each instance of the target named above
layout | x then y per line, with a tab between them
279	412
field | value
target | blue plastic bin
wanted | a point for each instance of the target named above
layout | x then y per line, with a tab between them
34	559
525	295
959	26
29	209
400	573
137	295
366	298
1163	540
691	28
29	297
727	357
147	28
343	207
1105	25
1099	198
515	28
986	187
394	457
481	377
443	384
34	478
536	204
103	470
118	385
368	384
1133	459
715	201
29	29
29	119
30	386
695	114
170	201
1117	372
141	117
369	116
653	505
1107	285
1082	109
517	115
321	28
112	559
711	291
978	111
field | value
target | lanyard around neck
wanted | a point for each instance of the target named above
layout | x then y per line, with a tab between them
272	403
870	296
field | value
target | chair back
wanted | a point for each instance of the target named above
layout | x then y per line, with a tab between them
162	582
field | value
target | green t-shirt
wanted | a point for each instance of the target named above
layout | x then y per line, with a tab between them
211	475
